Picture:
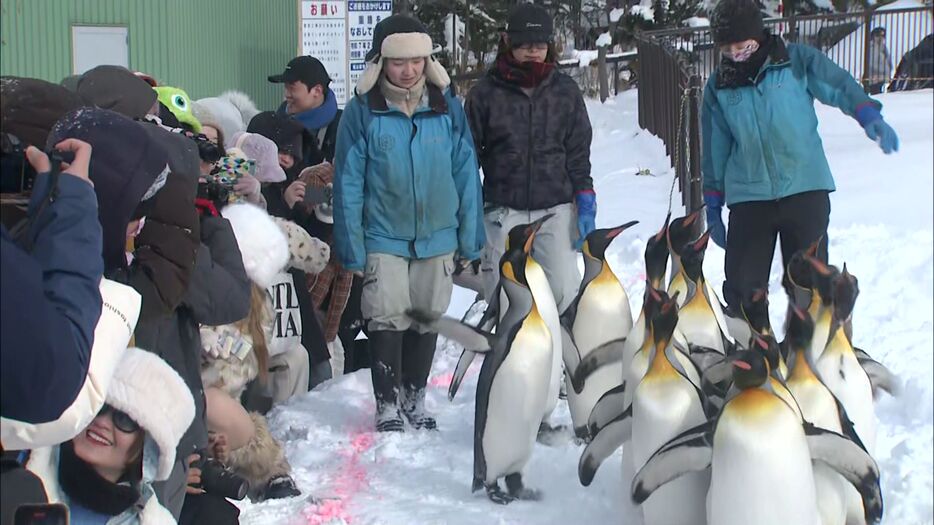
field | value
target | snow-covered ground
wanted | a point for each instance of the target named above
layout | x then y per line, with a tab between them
882	226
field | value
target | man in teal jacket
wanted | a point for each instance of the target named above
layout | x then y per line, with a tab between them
407	202
762	155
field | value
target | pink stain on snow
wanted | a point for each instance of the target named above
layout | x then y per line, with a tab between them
442	380
350	479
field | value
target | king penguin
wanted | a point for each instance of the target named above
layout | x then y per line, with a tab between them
760	454
701	319
499	304
512	387
820	407
599	316
666	402
681	231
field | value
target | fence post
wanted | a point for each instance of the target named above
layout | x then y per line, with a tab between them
695	188
867	38
602	74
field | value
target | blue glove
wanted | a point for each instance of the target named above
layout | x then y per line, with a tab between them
714	202
877	129
586	215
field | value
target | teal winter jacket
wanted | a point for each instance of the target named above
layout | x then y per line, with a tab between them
760	141
406	186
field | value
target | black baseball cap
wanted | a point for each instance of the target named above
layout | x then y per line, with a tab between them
307	69
529	24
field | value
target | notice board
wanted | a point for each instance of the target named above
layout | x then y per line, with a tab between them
339	33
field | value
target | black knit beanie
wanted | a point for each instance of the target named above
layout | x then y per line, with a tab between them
735	21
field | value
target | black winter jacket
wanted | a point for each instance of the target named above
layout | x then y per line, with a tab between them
218	294
534	149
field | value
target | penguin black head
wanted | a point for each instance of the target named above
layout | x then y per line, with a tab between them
799	270
800	329
512	265
823	276
768	347
520	235
666	319
750	369
681	231
656	255
653	299
599	240
756	311
845	291
692	257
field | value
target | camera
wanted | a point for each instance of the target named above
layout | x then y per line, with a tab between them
207	150
219	480
16	174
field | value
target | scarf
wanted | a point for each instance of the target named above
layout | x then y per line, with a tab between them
87	488
526	75
320	117
740	74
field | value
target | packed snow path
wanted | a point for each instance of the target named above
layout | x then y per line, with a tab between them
881	225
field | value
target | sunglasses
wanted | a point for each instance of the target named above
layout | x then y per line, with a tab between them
122	421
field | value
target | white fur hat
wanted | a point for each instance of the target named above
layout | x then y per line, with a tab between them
148	390
232	110
264	247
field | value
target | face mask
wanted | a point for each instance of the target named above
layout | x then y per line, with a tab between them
743	54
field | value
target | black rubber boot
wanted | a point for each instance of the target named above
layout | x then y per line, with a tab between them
417	355
386	351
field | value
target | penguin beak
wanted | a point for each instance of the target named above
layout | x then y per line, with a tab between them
612	234
821	268
661	233
689	220
701	243
812	250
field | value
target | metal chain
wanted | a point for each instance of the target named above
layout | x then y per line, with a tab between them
678	136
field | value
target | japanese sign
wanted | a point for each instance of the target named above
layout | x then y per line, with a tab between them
339	33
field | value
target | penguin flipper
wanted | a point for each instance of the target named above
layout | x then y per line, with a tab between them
852	462
690	451
490	318
704	357
569	352
610	438
607	353
607	408
880	377
466	358
469	337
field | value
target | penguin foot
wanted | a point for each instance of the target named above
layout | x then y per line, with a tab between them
497	495
518	491
552	436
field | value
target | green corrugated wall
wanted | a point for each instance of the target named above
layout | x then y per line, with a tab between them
202	46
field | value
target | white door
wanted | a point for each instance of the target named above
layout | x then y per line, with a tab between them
93	46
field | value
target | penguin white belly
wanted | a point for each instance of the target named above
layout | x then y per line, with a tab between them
638	366
662	409
761	471
633	342
717	307
818	407
698	323
517	399
545	301
603	315
843	375
819	340
678	284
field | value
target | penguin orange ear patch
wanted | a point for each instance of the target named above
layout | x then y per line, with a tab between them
742	364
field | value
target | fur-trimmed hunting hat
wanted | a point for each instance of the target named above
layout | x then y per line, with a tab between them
401	36
148	390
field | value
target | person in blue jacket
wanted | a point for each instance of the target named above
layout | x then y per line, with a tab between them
407	207
762	155
51	298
